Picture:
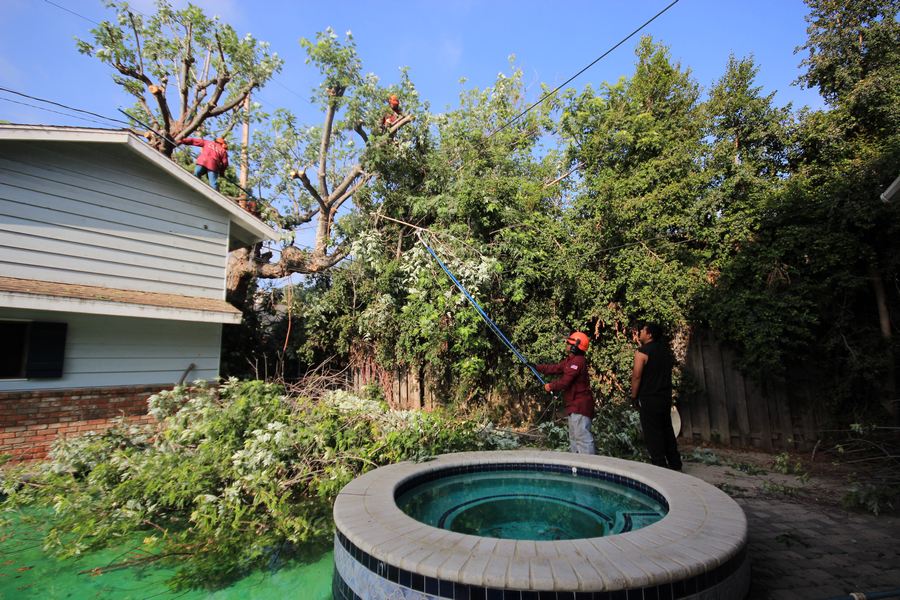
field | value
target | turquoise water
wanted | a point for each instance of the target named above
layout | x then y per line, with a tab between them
529	505
27	573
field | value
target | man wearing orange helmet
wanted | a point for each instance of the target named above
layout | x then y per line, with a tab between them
393	116
576	389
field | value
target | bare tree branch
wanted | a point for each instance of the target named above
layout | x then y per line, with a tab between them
362	133
400	123
355	172
234	102
304	179
323	148
350	193
188	59
137	40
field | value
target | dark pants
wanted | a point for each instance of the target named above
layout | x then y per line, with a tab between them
656	421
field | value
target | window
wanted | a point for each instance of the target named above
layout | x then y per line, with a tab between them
12	350
32	349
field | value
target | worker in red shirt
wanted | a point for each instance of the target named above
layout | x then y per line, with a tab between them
576	388
213	159
395	114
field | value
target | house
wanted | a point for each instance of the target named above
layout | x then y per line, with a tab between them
112	279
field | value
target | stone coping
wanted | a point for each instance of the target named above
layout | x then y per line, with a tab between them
703	529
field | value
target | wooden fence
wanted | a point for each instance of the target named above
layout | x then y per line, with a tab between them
729	408
719	404
403	389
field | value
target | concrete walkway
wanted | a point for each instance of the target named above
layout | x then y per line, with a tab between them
803	545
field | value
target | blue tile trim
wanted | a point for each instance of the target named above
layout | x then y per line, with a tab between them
457	591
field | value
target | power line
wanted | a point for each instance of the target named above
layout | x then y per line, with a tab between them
146	16
72	12
59	112
570	79
67	107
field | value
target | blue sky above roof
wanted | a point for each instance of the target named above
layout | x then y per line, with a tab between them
441	42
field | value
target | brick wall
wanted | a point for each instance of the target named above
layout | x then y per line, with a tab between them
31	420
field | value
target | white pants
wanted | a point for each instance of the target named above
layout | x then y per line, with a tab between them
580	439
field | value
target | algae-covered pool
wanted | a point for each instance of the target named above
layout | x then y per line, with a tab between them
26	573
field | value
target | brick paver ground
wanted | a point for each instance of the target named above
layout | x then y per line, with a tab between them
799	551
803	549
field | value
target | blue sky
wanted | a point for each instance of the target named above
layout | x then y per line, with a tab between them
441	42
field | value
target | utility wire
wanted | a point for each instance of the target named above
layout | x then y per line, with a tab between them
58	112
67	107
71	12
570	79
146	16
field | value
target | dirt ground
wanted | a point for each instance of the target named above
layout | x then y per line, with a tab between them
804	544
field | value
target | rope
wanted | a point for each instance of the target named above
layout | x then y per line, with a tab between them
490	323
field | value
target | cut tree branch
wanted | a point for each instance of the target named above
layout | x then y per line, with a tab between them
323	148
400	123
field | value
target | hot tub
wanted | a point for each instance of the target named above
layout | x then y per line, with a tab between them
536	525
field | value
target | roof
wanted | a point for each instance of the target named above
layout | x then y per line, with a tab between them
34	294
245	228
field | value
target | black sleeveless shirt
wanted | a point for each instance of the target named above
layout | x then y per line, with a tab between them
656	378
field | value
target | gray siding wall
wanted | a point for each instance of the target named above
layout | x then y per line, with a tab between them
112	351
99	214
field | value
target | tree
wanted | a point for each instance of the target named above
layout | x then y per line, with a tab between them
354	105
479	200
851	153
636	216
853	52
312	172
183	68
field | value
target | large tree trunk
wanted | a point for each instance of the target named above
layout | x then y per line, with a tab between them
889	398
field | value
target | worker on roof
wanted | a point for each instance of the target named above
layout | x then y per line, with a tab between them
576	389
213	159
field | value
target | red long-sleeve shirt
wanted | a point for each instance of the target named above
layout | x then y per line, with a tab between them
574	384
213	155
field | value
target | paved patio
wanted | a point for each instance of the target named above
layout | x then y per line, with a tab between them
804	546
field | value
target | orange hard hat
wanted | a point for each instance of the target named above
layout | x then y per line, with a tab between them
221	140
394	100
579	340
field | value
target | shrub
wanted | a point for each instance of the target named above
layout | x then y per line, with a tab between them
229	476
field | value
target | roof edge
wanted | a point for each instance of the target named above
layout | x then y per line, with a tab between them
53	133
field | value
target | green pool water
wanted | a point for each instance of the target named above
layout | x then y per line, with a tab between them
26	573
530	505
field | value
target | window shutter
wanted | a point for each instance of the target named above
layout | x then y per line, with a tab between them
46	350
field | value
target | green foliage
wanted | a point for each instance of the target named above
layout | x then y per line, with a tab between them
229	476
616	430
705	456
185	69
779	489
782	463
871	497
339	62
748	468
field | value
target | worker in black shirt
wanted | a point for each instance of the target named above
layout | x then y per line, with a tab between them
651	392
